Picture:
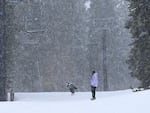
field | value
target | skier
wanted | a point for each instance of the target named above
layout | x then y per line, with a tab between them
71	87
94	84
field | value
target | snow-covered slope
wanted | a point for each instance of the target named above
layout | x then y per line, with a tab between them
58	102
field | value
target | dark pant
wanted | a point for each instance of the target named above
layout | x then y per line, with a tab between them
72	90
93	89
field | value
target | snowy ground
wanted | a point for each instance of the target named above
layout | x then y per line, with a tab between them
58	102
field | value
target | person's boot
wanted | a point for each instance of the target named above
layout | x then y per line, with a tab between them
93	98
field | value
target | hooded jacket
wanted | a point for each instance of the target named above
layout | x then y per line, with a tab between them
94	80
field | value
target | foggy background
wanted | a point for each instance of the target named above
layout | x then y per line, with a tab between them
57	41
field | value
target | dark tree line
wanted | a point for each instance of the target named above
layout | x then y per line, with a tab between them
2	51
6	38
139	26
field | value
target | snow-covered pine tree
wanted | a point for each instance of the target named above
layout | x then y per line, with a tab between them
139	26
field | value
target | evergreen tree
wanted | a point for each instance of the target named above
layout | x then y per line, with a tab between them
3	95
139	26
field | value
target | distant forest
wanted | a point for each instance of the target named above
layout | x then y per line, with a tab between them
46	43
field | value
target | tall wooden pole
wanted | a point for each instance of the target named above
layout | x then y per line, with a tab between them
104	62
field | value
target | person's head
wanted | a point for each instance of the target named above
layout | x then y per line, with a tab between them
93	72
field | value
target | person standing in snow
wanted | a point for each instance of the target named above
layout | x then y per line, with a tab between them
94	84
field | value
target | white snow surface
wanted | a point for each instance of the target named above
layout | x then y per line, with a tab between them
124	101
